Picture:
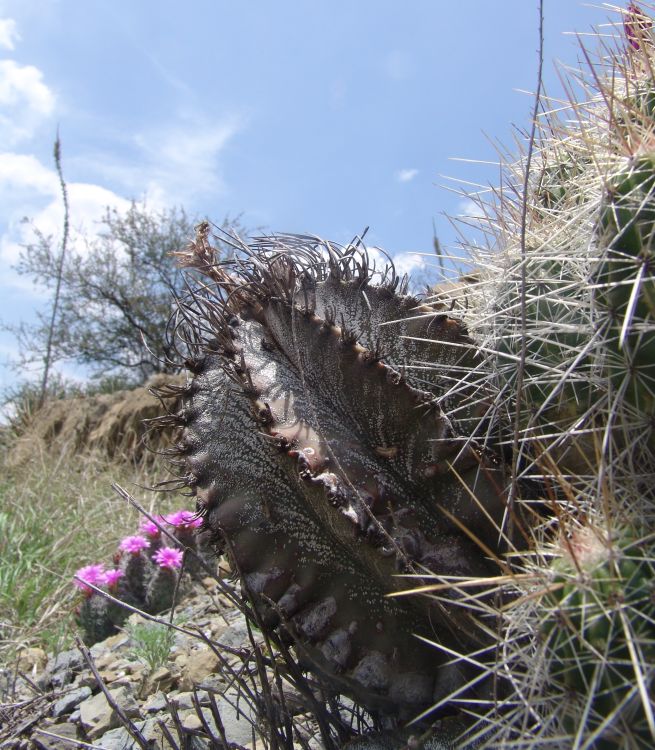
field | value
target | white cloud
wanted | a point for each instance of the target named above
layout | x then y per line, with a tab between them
25	100
171	164
408	263
8	33
182	159
468	207
28	188
404	263
25	172
406	175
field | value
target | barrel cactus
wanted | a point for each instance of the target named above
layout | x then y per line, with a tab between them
599	634
327	439
567	312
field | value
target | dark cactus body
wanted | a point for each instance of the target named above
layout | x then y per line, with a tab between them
328	453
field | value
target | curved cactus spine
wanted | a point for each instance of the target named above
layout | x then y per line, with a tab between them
327	439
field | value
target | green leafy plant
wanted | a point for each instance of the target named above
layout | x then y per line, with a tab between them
151	642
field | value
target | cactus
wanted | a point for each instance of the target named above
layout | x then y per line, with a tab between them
147	575
599	634
627	287
336	432
566	305
328	443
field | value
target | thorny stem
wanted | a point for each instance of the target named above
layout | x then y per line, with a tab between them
524	221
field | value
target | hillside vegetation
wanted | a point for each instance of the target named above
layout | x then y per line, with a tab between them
58	509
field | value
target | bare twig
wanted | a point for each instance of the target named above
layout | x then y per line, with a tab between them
129	725
524	221
47	360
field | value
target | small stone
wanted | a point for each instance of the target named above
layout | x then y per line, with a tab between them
85	679
116	739
236	635
154	703
199	665
161	674
161	679
98	717
237	725
132	667
120	738
191	721
109	675
215	683
104	660
61	669
185	700
114	642
32	660
66	731
69	701
154	735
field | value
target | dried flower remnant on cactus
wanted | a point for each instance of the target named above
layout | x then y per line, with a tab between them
134	544
168	557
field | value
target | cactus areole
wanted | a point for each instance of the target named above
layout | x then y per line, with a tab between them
324	435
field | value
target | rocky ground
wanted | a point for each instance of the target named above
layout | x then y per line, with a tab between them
192	700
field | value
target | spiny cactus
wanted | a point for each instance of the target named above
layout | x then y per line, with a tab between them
565	307
146	576
626	288
599	634
326	437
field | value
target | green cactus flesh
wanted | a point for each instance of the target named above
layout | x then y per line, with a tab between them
626	285
599	634
324	440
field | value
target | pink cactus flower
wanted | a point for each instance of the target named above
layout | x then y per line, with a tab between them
134	544
150	528
184	518
168	557
94	574
111	577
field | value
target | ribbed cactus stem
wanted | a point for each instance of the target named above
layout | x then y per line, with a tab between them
137	568
330	446
160	590
599	630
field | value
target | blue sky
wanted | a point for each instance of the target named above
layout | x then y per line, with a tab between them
322	116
